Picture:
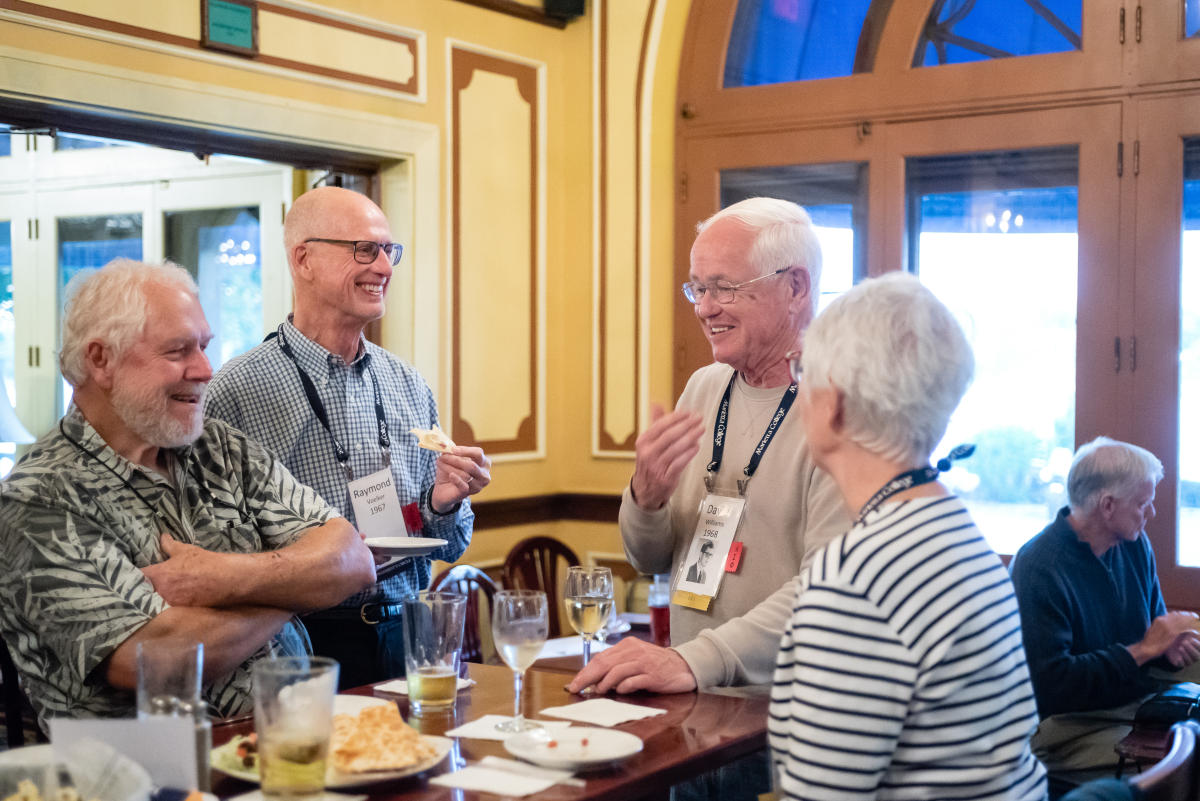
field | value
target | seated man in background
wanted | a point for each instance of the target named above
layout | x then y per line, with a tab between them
1092	613
134	519
900	673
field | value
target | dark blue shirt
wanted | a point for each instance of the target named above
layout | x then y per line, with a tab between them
1078	612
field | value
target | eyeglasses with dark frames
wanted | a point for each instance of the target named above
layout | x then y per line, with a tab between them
723	291
366	251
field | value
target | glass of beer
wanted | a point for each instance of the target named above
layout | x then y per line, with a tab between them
293	716
433	632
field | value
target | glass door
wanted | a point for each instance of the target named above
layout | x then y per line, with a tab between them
1001	223
1166	332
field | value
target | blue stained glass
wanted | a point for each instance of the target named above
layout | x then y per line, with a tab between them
960	31
778	41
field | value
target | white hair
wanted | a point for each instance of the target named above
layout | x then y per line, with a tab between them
899	358
1108	466
785	237
109	305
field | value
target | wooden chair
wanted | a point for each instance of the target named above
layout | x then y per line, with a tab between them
472	582
533	564
1176	777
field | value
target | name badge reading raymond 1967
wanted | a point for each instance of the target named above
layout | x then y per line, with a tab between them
376	504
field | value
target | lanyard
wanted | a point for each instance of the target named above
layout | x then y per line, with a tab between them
157	517
912	478
314	402
718	453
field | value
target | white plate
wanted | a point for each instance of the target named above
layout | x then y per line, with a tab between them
335	779
566	748
404	546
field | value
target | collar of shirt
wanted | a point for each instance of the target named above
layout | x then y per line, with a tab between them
77	427
316	360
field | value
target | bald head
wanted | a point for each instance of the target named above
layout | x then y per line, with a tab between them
329	212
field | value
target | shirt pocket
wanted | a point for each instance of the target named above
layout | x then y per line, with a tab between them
227	529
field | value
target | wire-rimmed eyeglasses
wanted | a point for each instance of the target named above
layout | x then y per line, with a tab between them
723	291
366	251
794	366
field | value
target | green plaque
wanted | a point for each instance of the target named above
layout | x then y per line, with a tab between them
230	25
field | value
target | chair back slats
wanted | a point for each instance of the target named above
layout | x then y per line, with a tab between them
472	582
1176	776
535	563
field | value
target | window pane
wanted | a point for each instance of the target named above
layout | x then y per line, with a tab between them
5	140
221	248
994	235
1189	361
91	242
8	344
776	41
1192	17
69	141
959	31
835	196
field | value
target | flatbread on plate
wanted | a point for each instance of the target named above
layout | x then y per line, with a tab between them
377	738
433	439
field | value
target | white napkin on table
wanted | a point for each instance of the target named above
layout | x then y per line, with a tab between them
504	777
400	686
602	712
567	646
485	728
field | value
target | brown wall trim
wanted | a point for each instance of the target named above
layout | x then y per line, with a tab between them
464	64
593	508
517	10
410	87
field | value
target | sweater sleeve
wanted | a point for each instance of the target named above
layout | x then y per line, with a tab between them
647	535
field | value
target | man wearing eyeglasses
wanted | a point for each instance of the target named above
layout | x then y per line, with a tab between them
732	443
337	411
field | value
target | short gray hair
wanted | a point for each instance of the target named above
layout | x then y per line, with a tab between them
785	237
900	359
1108	466
109	305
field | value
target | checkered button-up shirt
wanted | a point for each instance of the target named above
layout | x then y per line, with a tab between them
260	393
74	536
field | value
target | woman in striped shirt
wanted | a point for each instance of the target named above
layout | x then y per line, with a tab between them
901	673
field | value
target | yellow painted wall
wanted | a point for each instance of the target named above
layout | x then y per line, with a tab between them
567	56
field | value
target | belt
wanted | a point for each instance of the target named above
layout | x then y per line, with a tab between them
371	614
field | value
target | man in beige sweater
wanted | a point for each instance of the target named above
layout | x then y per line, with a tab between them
755	271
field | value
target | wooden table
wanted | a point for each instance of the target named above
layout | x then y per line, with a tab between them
699	732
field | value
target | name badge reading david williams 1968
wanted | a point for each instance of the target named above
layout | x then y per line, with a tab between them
700	575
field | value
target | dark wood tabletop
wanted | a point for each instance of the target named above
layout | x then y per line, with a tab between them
699	732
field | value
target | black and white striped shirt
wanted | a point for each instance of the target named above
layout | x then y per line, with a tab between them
901	673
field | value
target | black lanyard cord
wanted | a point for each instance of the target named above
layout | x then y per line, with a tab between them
913	478
314	402
719	427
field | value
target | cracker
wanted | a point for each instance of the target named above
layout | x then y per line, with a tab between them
433	439
377	738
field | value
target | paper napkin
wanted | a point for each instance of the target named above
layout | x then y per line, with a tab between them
505	777
400	686
602	712
567	646
485	728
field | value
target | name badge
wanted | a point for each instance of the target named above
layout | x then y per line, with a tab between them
377	506
700	575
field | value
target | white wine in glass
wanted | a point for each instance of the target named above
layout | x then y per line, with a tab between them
589	601
520	624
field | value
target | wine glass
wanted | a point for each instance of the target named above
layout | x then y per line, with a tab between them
589	600
520	623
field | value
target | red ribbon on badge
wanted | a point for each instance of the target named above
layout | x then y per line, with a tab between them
413	523
735	556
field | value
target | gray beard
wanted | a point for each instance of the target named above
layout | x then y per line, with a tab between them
147	415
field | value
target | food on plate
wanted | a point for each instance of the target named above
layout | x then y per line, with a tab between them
377	738
28	791
239	755
433	439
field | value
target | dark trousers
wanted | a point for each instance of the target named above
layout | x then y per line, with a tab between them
366	652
